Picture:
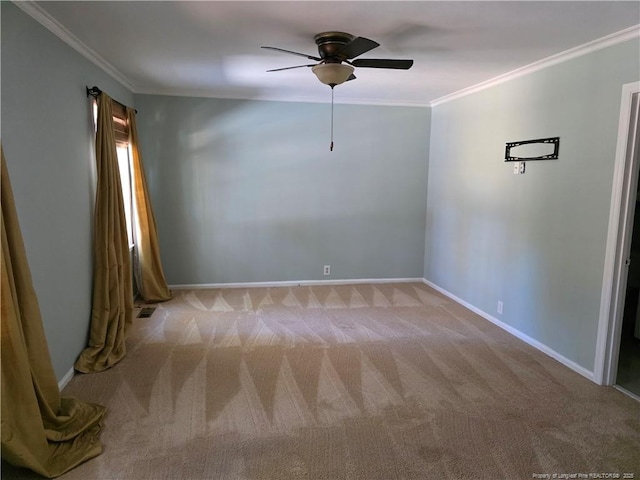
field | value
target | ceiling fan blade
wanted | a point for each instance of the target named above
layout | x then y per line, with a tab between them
310	57
351	77
356	47
382	63
289	68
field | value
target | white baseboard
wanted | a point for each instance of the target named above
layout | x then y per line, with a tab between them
66	379
517	333
297	283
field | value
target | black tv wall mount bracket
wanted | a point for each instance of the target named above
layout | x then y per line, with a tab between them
555	141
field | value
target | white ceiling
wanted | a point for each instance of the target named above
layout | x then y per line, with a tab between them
207	48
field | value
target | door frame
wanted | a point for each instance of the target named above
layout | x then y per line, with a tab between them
621	212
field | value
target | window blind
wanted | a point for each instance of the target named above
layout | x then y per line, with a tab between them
120	124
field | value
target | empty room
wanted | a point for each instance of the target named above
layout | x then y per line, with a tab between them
330	240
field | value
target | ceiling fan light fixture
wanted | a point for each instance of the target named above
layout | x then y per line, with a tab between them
332	74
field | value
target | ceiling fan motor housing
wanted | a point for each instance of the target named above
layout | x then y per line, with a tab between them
330	43
334	48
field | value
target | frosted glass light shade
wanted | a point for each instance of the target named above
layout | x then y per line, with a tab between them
332	73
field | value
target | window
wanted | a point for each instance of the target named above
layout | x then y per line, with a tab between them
124	156
121	129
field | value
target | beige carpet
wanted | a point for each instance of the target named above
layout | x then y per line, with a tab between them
354	382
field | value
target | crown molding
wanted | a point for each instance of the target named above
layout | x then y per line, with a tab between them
278	98
43	18
585	49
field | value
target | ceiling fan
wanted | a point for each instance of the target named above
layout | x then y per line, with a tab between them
334	48
337	52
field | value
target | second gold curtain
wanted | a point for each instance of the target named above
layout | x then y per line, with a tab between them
147	266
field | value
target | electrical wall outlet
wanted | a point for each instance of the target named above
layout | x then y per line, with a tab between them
499	307
519	168
327	269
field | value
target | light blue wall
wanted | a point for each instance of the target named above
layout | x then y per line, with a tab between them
535	241
47	139
248	191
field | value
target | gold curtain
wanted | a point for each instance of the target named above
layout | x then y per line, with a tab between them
40	430
112	309
148	268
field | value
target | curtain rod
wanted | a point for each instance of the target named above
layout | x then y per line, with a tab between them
95	91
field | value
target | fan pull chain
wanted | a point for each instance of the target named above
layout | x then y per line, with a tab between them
331	147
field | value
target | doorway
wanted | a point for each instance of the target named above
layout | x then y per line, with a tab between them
618	352
628	371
